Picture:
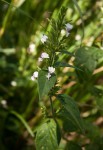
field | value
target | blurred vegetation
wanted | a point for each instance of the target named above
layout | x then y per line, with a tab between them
22	23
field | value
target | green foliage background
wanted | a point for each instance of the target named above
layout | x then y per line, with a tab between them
23	22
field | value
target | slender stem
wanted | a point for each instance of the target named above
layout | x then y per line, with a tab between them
52	109
53	113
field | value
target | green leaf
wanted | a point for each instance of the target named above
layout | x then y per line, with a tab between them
8	51
68	123
46	137
64	64
44	84
88	57
71	109
92	131
66	52
73	146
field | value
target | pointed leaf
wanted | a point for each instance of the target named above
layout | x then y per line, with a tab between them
73	146
88	57
66	52
68	122
71	108
64	64
44	84
46	137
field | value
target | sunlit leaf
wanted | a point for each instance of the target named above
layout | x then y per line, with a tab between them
8	51
44	84
46	137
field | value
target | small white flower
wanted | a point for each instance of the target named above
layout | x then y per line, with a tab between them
77	37
68	28
35	74
40	59
13	83
67	34
32	78
63	32
51	70
4	103
48	76
44	38
44	55
31	47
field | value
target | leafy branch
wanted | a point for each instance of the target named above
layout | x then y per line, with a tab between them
55	43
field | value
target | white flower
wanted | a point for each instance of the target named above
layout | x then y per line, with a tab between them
48	76
63	32
13	83
67	34
77	37
4	103
44	38
40	59
44	55
51	70
68	28
32	78
31	47
35	74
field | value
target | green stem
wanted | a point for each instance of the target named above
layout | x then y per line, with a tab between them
52	109
53	113
52	58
